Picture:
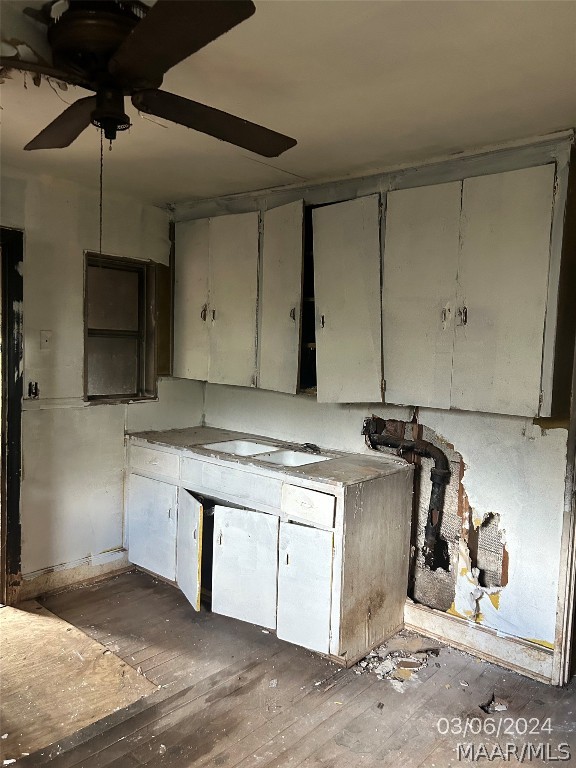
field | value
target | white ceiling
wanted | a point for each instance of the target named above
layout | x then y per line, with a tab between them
360	84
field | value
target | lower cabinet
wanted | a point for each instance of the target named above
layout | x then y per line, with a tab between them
152	515
305	586
245	565
301	571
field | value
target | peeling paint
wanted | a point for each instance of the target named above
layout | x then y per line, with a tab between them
495	599
543	643
470	595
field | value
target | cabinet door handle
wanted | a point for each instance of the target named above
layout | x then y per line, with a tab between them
293	313
287	558
322	321
462	315
170	512
204	312
220	538
213	314
194	534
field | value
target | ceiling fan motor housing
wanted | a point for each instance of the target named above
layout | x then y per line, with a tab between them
89	33
109	114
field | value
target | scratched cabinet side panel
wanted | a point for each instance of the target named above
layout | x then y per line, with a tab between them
245	565
233	298
191	333
347	268
305	586
419	293
152	514
503	283
281	297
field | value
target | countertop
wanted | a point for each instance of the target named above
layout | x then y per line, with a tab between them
340	469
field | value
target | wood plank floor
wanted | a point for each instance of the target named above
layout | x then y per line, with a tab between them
55	680
232	696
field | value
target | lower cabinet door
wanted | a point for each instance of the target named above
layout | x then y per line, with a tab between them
189	546
245	565
305	586
152	509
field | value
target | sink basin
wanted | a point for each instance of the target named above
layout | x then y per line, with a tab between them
292	458
240	447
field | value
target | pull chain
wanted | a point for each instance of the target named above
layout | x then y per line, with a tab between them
101	178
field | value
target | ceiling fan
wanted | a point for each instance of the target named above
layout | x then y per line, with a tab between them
120	48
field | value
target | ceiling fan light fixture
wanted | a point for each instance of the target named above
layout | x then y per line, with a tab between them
109	114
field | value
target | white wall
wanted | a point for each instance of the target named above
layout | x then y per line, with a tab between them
73	453
512	468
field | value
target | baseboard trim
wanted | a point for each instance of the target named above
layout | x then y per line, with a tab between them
509	652
55	578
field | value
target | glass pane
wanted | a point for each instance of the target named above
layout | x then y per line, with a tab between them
112	366
112	299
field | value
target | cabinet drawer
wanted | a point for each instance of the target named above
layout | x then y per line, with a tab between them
229	483
158	462
311	506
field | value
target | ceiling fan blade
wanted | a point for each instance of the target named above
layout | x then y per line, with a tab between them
171	31
212	121
67	126
39	69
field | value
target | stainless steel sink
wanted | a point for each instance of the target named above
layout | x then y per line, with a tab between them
240	447
291	458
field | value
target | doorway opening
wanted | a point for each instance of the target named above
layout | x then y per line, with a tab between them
11	292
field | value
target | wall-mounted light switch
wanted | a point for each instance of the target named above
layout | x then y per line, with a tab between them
45	339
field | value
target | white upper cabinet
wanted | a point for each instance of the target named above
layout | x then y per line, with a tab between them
502	286
191	336
347	279
465	290
281	297
233	298
215	301
419	293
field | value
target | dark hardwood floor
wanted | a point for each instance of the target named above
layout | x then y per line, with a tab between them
232	696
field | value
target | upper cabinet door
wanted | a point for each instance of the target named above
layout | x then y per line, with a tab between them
280	298
418	304
503	281
233	298
347	274
189	546
191	336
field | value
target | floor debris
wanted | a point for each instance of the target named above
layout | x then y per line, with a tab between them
400	658
494	705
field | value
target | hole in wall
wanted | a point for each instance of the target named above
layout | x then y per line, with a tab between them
488	551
